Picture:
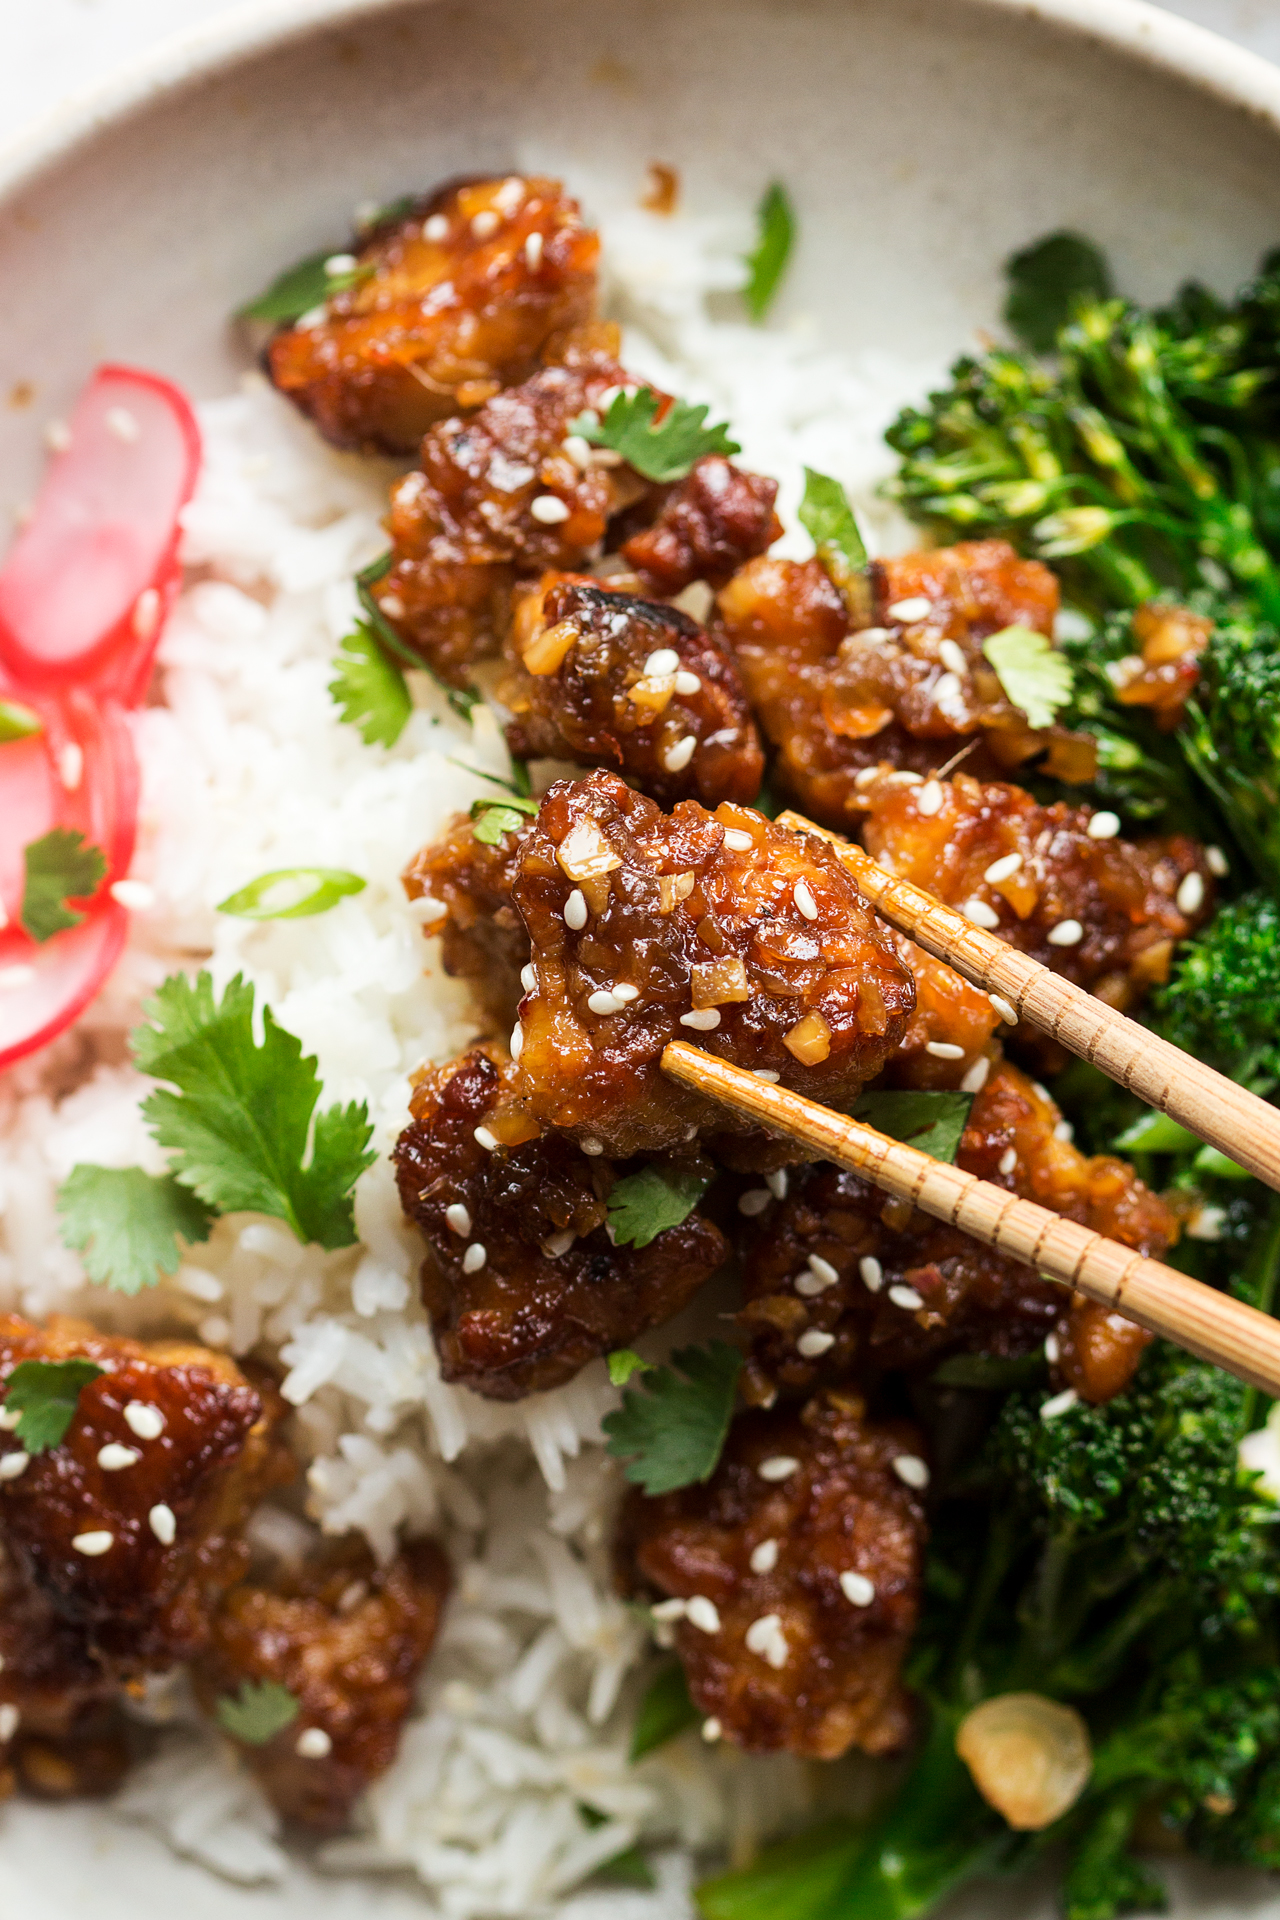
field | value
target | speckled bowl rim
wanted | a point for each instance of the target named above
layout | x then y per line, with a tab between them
1132	28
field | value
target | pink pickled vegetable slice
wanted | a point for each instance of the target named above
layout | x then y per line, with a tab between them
88	581
42	989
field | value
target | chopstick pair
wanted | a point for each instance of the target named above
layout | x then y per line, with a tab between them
1212	1325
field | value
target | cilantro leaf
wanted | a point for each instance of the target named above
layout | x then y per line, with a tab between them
239	1122
671	1431
645	1204
663	452
1033	674
493	818
623	1363
46	1393
463	700
300	288
128	1223
767	262
292	893
518	782
828	519
18	722
370	689
1047	282
61	866
260	1711
665	1711
933	1123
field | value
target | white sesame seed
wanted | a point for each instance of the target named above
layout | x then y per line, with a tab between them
313	1743
393	606
661	662
1190	895
677	758
577	450
516	1047
1041	1092
711	1729
911	1470
765	1637
1216	861
669	1609
754	1201
703	1614
952	656
9	1419
915	607
474	1257
687	683
549	509
9	1719
778	1466
94	1543
436	228
737	841
136	895
12	1464
483	1138
113	1458
604	1001
575	911
71	766
458	1219
1008	1160
822	1270
533	252
929	799
802	894
976	1078
313	317
121	422
591	1146
944	1050
857	1589
777	1181
947	690
340	263
528	978
872	1273
907	1298
1064	1131
813	1342
163	1522
624	991
430	911
1061	1403
767	1074
1052	1350
1005	1008
1103	826
57	436
146	1421
485	223
702	1018
980	913
1067	933
1003	869
764	1558
558	1243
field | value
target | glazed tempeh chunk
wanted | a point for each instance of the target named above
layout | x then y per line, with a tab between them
608	680
719	928
1056	882
521	1280
909	688
59	1733
132	1525
837	1284
708	525
800	1563
451	301
482	937
347	1639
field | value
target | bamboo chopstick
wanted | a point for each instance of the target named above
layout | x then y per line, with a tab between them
1241	1125
1211	1325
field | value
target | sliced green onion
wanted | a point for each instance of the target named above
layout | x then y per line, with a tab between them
18	722
292	893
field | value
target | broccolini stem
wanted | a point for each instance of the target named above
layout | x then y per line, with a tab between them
1260	1279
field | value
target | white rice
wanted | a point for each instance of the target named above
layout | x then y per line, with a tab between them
526	1706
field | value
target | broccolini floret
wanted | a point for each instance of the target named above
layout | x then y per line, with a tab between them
1223	1001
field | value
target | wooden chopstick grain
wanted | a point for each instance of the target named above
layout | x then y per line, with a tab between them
1212	1325
1238	1123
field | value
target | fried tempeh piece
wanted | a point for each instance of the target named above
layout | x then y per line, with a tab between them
907	1292
482	937
647	927
136	1544
451	300
347	1639
609	680
60	1733
550	1291
800	1565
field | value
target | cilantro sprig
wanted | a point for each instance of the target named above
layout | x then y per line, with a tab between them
768	259
1033	674
933	1123
61	866
622	1363
463	700
370	688
671	1429
46	1394
260	1711
304	286
645	1204
662	452
493	817
128	1224
828	519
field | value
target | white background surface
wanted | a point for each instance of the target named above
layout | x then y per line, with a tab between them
49	48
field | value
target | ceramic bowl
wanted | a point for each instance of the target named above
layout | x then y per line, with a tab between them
922	139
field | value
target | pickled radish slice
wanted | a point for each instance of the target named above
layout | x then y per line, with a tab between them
88	581
42	989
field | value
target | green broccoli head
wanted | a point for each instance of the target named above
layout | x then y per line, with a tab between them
1223	1001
